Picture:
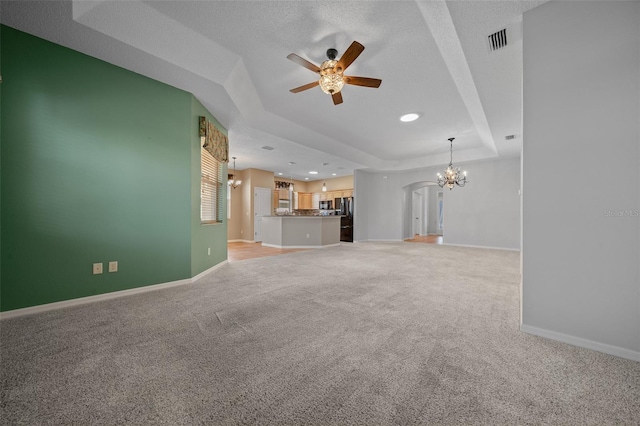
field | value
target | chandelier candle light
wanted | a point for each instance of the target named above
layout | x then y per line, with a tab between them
233	182
452	175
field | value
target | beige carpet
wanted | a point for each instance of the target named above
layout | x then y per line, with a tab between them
371	334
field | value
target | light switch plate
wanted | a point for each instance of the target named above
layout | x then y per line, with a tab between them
113	266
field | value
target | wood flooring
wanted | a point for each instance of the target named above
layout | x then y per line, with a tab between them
237	251
429	239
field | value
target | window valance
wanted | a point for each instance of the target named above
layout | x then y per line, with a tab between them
214	141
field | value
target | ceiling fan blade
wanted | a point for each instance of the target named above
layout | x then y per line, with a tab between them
350	55
337	98
305	87
363	81
301	61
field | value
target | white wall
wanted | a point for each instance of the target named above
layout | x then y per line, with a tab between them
581	279
486	212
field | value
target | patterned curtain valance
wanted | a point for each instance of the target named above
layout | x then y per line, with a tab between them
214	141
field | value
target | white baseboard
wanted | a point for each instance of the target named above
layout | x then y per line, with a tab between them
393	240
105	296
482	247
583	343
208	271
240	241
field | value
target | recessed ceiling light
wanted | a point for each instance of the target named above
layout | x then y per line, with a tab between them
409	117
279	174
333	174
313	172
306	178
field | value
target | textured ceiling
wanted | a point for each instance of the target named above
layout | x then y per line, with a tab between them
432	57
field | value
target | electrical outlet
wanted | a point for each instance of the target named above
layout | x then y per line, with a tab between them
97	268
113	266
209	251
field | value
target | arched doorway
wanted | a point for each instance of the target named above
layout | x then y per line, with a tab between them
421	209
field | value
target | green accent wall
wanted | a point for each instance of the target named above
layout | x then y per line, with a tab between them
98	164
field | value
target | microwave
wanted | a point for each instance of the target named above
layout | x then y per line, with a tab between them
326	205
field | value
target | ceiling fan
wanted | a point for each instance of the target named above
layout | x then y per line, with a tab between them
331	72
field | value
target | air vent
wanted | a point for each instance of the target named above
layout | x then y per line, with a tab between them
497	40
268	148
510	137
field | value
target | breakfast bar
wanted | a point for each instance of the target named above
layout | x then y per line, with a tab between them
300	231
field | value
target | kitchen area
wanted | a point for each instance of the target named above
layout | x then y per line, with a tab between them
308	219
280	212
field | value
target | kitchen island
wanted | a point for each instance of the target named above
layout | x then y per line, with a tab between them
300	231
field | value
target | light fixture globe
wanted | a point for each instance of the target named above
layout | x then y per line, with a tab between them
330	81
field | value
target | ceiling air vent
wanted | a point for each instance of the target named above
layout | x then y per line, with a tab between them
268	148
497	40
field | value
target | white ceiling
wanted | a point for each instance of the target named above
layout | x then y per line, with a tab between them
432	57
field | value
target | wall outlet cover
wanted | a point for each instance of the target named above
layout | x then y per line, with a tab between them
97	268
113	266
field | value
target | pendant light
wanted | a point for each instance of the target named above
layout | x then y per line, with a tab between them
233	182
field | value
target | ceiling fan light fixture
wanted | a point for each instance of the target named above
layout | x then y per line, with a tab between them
330	81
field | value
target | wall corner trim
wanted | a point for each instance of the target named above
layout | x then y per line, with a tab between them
106	296
583	343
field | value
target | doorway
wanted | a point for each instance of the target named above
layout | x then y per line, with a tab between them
420	213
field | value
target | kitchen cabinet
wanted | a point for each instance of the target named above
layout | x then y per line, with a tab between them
304	200
283	194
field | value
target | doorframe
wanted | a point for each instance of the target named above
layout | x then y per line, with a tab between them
407	206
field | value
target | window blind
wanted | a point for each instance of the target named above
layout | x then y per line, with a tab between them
210	188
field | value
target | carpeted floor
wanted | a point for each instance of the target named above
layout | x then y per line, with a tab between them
370	333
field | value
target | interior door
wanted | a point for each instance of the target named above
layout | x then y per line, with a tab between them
261	207
417	213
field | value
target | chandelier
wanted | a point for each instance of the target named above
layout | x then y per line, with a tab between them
452	175
233	182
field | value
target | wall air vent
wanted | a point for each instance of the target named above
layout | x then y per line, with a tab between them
268	148
510	137
497	40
